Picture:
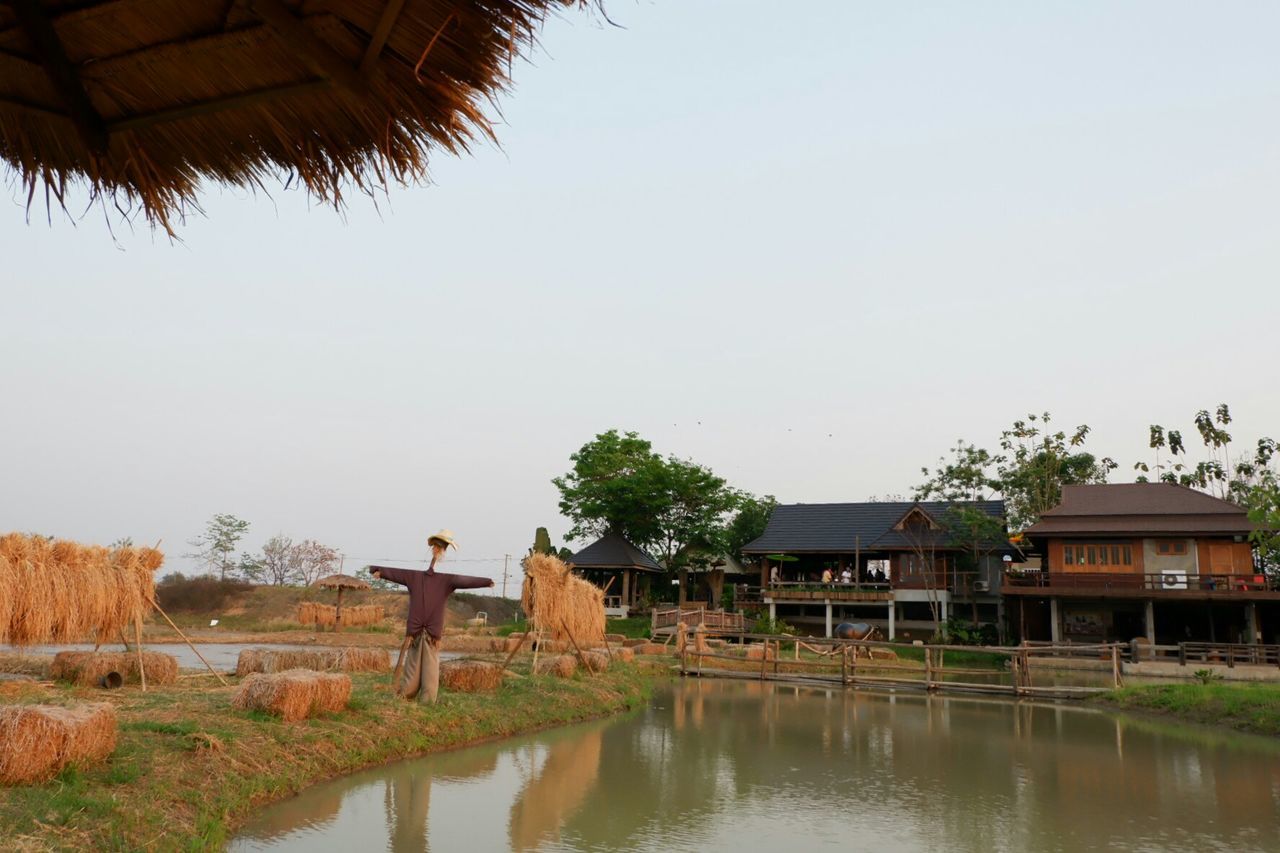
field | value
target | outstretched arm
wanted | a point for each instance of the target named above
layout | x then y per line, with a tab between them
400	576
469	581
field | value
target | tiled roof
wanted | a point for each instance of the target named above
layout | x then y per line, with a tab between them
1138	508
611	551
847	527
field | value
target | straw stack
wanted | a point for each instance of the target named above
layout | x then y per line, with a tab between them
621	653
470	676
87	668
598	661
56	591
556	601
350	659
37	741
561	666
326	615
294	695
650	649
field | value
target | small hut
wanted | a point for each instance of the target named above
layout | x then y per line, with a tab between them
341	583
618	567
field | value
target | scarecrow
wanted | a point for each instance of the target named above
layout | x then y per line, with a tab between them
427	594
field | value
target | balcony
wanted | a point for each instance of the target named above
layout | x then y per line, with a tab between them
789	591
1169	584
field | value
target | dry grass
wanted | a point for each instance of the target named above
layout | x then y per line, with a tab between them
559	603
36	665
429	88
651	649
624	654
470	676
616	639
326	615
56	591
632	642
349	659
561	666
757	651
294	695
36	741
87	668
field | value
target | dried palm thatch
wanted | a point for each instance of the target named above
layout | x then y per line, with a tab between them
561	666
143	99
55	591
555	601
350	659
470	676
36	741
326	615
295	694
87	668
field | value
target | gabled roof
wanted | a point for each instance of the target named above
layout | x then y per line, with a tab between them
612	551
1139	508
844	528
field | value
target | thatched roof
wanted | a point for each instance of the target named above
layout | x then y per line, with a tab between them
143	99
341	582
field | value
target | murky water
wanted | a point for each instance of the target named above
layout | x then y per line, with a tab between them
742	766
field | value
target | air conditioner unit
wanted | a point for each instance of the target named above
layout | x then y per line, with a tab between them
1173	580
981	586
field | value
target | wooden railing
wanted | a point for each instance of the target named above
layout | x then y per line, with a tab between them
712	620
1141	582
1185	654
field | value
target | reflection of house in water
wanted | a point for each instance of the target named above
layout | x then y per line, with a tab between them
561	785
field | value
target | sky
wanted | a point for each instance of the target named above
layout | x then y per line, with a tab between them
809	248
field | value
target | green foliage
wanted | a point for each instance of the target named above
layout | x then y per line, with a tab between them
217	545
765	625
542	545
1263	504
1253	707
1207	676
633	627
1218	473
672	507
959	632
749	522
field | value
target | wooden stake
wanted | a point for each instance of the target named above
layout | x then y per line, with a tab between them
519	646
156	605
574	643
142	672
537	647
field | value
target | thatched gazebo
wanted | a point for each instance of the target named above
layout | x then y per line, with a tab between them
340	583
141	100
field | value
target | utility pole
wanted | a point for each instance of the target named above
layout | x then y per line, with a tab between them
506	561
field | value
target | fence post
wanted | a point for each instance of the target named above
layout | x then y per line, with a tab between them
844	665
1115	666
1182	654
1231	657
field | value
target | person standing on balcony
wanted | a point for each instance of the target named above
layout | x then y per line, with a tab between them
826	575
773	576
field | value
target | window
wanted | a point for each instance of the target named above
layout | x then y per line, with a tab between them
1179	547
1115	555
1098	554
1167	547
1068	555
1127	552
1102	555
1093	555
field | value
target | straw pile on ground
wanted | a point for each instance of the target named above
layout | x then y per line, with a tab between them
470	676
618	654
632	643
326	615
597	661
758	651
37	741
559	603
651	649
87	668
294	695
349	659
55	591
561	666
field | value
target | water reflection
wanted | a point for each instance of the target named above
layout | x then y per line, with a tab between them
716	765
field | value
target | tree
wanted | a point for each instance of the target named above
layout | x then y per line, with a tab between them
315	560
542	545
1036	464
1218	473
280	561
215	547
1263	504
749	522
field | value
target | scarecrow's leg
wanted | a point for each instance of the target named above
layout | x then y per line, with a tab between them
430	672
412	679
399	670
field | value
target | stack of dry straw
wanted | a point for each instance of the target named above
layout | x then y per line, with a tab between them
294	695
470	676
36	741
55	591
350	659
87	668
556	601
325	615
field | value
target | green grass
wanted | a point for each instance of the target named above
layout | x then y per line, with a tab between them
188	769
636	627
1245	707
952	657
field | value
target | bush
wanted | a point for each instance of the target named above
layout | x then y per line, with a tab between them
765	625
1207	676
178	593
958	632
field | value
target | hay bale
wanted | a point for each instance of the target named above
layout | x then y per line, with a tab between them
758	651
87	668
295	694
615	639
597	660
561	604
619	653
37	741
56	591
651	649
470	676
347	659
632	643
878	653
561	666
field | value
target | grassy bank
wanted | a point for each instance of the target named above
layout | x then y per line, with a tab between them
1251	708
188	769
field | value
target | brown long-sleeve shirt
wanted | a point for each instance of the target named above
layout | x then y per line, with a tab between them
427	593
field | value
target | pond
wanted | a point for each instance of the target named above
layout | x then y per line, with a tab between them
743	766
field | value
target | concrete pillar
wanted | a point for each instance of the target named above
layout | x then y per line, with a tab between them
892	608
773	612
828	617
1149	620
1055	624
1251	623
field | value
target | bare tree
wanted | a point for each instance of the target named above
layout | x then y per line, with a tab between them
281	563
924	536
315	560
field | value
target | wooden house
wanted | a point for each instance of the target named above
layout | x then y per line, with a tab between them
621	569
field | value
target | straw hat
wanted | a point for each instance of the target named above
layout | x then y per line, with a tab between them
444	537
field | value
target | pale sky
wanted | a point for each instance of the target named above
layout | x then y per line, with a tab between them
808	247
